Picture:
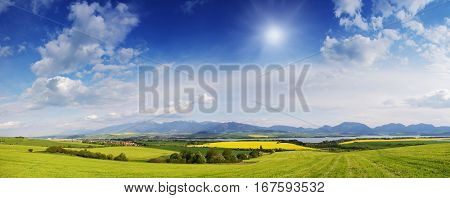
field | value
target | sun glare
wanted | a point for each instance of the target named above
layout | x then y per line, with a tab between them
274	35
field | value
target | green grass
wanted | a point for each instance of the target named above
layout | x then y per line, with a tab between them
133	153
371	144
431	160
42	142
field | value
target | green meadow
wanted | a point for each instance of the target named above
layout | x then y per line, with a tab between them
428	160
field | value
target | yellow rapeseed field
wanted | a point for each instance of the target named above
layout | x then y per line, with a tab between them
254	145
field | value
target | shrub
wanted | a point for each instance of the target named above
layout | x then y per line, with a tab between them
229	156
243	156
30	150
213	156
110	156
176	158
199	158
188	156
255	154
121	157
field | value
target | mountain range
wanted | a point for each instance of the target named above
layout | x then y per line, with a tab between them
343	129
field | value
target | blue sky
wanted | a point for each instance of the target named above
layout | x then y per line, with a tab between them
69	65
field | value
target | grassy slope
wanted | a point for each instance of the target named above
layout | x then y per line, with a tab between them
367	144
133	153
414	161
42	142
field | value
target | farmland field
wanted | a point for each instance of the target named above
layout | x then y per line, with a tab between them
133	153
432	160
254	145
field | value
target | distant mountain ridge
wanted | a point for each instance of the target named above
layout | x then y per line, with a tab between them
345	128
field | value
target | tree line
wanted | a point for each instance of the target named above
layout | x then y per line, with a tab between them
212	156
86	154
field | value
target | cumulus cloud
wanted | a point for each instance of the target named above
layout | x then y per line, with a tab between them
415	26
436	99
96	31
357	50
126	54
56	91
412	6
349	13
435	46
10	125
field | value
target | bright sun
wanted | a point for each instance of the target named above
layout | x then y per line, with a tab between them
274	35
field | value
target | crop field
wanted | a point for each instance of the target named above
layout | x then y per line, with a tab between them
254	145
133	153
431	160
41	142
371	144
396	140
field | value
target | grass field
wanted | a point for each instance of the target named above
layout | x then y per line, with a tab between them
396	140
431	160
133	153
253	145
370	144
42	142
413	161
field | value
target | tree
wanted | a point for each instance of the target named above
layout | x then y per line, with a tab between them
121	157
255	154
243	156
30	150
229	156
187	156
176	158
213	156
110	156
199	158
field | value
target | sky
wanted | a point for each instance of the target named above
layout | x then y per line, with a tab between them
72	65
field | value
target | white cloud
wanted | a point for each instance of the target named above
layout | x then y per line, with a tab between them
356	50
206	99
91	117
126	54
37	5
377	23
415	26
56	91
350	7
349	12
10	125
383	6
4	4
188	6
102	67
436	99
95	32
391	34
21	48
5	51
411	43
357	21
412	6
